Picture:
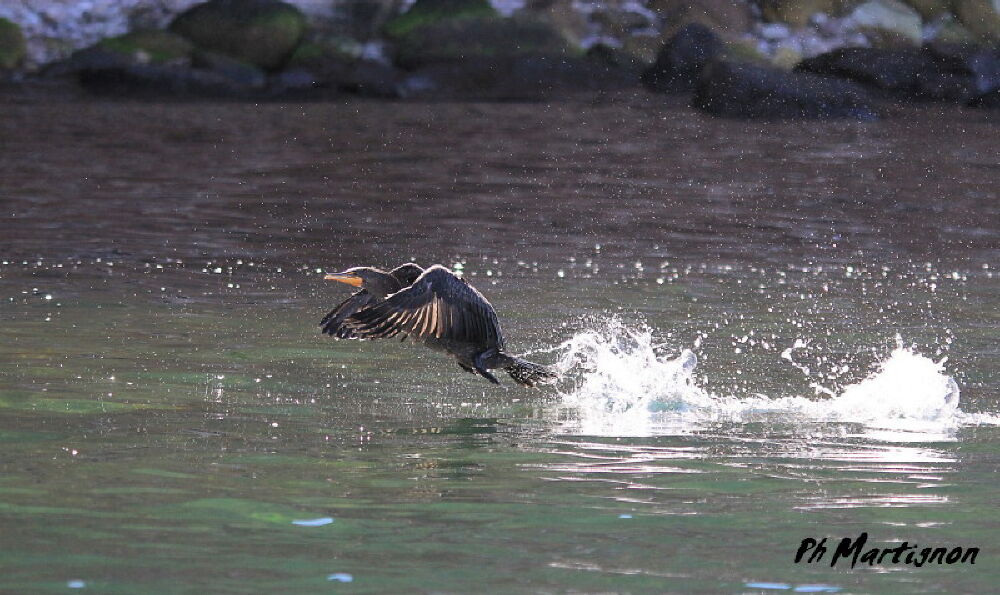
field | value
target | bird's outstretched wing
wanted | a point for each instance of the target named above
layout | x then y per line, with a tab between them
333	323
438	305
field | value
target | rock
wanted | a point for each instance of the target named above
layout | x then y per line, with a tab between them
156	63
616	59
312	53
726	18
153	46
158	80
984	65
241	73
263	33
904	73
949	30
293	81
786	58
371	79
750	91
336	64
619	22
682	59
562	15
12	45
644	47
982	17
360	77
795	12
433	12
94	58
888	22
979	68
931	9
989	100
479	39
745	50
365	19
527	78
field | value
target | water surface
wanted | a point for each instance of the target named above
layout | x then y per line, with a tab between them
172	420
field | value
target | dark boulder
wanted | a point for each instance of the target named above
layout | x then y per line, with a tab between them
506	59
738	90
682	58
119	66
478	39
905	73
94	58
240	73
12	45
366	78
616	61
263	33
432	12
984	66
158	80
338	65
151	45
524	78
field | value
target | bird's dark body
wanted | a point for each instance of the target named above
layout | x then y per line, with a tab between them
435	308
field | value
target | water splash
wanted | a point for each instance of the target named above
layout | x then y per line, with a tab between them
620	383
619	380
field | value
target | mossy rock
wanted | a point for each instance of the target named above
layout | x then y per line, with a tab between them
795	12
318	52
12	46
744	50
931	9
431	12
982	17
949	30
159	47
726	18
490	38
263	33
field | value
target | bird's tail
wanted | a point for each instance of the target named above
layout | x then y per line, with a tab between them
529	373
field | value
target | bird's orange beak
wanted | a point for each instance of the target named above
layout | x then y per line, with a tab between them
349	278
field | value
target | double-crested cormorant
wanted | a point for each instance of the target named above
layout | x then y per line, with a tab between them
432	306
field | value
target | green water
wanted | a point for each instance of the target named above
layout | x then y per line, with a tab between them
171	420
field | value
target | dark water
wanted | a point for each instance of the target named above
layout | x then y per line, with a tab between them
171	420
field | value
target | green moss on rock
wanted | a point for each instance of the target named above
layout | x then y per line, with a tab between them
489	38
264	33
12	46
159	46
431	12
321	51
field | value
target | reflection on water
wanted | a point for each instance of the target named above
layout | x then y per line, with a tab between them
171	419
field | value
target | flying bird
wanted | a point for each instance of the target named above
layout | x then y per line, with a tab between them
434	307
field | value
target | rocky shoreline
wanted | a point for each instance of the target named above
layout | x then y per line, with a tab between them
734	58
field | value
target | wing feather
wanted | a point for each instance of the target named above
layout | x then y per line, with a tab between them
437	305
333	322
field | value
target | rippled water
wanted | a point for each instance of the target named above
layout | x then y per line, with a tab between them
767	332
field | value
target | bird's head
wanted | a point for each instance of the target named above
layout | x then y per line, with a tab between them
357	276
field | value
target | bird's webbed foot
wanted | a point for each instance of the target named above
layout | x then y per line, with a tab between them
481	368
